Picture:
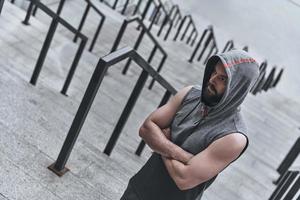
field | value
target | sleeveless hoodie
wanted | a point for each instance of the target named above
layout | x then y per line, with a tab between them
195	126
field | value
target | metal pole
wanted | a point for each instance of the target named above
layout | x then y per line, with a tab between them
125	7
191	35
198	45
162	62
277	78
28	14
44	51
136	46
168	31
115	4
73	66
179	28
1	5
86	11
269	80
126	112
154	17
119	36
290	157
164	100
96	34
162	26
205	46
136	9
58	167
186	30
195	37
209	54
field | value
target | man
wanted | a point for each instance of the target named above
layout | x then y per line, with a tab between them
197	134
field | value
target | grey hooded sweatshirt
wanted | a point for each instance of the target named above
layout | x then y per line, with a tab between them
196	125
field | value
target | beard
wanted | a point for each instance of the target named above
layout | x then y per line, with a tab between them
211	96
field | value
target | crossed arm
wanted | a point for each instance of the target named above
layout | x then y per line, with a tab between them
188	170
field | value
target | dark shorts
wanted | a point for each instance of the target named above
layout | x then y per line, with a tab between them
129	194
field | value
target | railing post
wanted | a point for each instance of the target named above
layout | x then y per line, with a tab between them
115	4
119	36
136	46
73	66
289	159
28	13
58	167
205	45
195	37
277	78
168	31
164	100
162	26
191	35
269	80
154	17
198	46
86	11
179	28
97	33
44	51
186	30
210	52
1	5
284	185
126	112
161	64
136	9
125	7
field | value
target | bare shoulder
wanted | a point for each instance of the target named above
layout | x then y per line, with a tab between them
228	147
181	93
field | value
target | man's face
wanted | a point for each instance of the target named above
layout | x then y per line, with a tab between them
216	85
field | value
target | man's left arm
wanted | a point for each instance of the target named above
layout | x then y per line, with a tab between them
207	163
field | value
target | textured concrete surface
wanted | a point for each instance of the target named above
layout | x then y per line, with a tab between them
34	120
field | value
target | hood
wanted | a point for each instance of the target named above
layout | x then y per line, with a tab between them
242	71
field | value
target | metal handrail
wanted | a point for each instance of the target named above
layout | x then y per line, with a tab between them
56	19
84	16
208	33
228	46
136	45
190	23
289	159
58	167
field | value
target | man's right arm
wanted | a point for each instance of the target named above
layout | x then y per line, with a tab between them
152	134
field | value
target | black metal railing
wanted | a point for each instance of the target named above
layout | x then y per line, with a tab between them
56	19
1	5
288	186
58	167
144	31
228	46
264	84
261	78
189	24
82	21
167	20
177	15
288	160
210	42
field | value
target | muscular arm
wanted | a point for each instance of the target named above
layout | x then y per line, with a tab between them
207	163
152	134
